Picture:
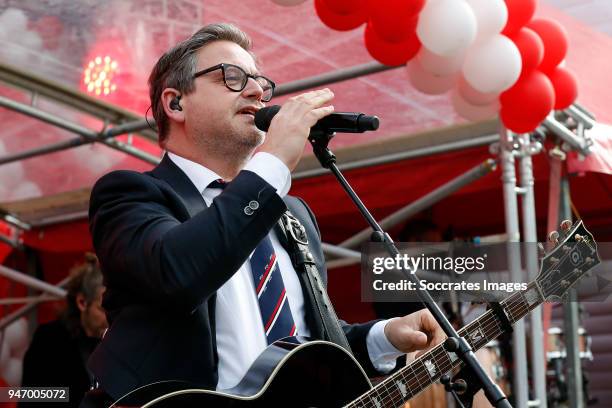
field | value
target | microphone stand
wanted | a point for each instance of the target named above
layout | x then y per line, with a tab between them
455	343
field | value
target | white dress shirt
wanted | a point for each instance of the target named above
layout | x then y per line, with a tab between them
240	333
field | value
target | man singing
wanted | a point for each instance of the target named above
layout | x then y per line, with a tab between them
188	249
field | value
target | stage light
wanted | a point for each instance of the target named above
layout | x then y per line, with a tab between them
98	75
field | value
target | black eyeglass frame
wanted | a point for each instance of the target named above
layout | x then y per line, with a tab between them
222	67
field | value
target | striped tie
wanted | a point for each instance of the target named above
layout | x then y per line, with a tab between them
269	287
271	293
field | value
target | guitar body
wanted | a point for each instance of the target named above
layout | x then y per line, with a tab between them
292	372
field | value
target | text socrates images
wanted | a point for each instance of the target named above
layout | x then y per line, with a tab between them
449	271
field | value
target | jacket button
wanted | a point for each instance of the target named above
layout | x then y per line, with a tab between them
254	205
248	210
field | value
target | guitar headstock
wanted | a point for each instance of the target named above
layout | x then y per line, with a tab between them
574	254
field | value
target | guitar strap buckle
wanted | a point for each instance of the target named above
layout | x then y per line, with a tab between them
295	228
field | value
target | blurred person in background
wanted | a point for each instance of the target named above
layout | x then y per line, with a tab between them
59	349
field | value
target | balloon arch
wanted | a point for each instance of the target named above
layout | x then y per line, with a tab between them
491	55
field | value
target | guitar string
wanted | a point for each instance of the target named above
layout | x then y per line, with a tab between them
428	379
516	303
520	305
487	319
485	325
423	379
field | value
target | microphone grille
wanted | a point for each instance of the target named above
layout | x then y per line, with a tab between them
264	116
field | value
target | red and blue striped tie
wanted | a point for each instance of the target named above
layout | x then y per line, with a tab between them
271	293
269	287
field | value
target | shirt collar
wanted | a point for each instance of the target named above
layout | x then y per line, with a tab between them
199	175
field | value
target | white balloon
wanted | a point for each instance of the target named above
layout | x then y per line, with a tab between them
493	65
447	27
428	83
288	3
14	21
471	112
439	65
491	16
473	96
12	372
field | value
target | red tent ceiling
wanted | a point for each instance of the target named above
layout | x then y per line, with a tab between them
57	39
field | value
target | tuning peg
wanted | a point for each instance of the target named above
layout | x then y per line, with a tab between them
553	237
566	225
578	238
541	249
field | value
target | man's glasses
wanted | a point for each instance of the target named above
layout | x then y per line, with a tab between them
235	79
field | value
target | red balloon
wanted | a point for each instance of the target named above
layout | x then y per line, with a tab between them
555	41
355	17
345	7
531	47
520	12
392	54
527	103
566	87
392	18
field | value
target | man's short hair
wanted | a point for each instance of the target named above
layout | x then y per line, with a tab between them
176	67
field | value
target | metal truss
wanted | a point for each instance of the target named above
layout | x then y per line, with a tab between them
124	121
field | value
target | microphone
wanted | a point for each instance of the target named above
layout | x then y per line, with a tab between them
341	122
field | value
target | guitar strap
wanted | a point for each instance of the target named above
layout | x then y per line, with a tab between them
304	263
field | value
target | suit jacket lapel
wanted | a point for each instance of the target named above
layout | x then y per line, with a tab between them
169	172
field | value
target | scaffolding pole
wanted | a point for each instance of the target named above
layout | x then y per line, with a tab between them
332	77
538	360
17	314
571	321
76	142
405	155
31	282
580	144
77	129
519	348
426	201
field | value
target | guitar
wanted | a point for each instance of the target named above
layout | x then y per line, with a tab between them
297	372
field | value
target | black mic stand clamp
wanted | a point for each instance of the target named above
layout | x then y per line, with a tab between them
478	378
464	385
319	141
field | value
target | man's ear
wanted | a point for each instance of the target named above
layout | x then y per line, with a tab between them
81	302
171	100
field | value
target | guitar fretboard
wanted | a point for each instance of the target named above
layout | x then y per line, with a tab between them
427	369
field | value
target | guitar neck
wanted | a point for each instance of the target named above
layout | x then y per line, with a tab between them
427	369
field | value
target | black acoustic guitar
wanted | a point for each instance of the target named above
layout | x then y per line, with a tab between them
295	372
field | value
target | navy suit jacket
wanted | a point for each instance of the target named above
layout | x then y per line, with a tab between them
164	254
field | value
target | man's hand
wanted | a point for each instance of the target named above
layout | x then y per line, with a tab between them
416	331
290	127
